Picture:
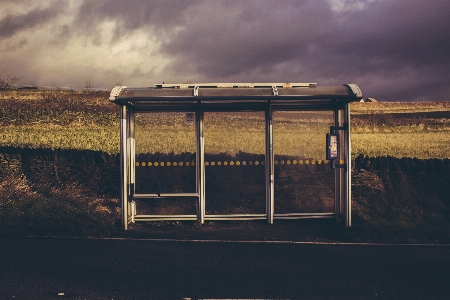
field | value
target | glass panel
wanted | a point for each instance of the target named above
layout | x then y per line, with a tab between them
165	161
304	181
167	206
234	159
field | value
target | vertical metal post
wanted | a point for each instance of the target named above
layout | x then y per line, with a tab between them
269	167
124	166
341	171
200	164
348	170
337	183
132	157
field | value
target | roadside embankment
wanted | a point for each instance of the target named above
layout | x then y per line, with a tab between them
396	200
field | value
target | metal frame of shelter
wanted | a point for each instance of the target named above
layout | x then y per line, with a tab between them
234	97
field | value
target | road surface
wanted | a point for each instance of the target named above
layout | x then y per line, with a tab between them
65	268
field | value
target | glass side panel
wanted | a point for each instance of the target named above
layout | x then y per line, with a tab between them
165	161
304	181
234	159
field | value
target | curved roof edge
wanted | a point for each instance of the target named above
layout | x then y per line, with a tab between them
236	91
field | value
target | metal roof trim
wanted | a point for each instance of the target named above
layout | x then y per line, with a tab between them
236	98
355	89
115	92
235	85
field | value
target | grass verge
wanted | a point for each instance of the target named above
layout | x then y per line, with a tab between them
45	209
390	207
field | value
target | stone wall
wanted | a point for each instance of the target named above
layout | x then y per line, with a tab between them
404	179
405	164
96	170
234	184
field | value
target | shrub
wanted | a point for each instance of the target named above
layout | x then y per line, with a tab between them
7	82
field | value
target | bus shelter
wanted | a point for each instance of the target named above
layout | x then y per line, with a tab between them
196	99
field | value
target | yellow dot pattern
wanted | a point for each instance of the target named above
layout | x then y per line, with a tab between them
233	163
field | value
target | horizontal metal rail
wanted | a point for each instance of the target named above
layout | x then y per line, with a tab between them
243	217
236	217
165	195
236	107
304	216
235	85
144	218
233	217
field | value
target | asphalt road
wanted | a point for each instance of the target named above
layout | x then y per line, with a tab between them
52	268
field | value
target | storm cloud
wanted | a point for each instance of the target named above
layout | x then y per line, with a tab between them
394	50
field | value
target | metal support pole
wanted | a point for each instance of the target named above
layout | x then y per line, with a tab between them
337	183
200	165
342	181
124	166
348	170
269	168
132	156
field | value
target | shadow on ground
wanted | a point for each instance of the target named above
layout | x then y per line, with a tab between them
310	230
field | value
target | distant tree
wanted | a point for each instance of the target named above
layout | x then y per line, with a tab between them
88	85
7	82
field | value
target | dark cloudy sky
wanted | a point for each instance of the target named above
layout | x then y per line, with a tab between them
395	50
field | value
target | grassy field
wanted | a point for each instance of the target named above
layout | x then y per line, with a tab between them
87	120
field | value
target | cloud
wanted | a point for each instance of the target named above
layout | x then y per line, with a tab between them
395	50
156	16
348	5
242	38
376	45
12	24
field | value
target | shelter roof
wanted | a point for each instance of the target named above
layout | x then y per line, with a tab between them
237	94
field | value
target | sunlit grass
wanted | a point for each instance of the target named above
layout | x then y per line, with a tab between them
398	107
91	138
429	144
308	142
82	120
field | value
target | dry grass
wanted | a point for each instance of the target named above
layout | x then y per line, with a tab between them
398	107
46	208
50	136
87	120
390	208
13	188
